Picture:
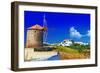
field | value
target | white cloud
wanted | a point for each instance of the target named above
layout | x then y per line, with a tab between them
88	33
74	33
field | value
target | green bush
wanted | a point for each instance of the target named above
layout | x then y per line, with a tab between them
80	48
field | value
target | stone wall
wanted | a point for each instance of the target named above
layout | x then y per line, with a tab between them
34	38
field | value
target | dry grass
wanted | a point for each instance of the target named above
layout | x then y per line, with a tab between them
83	55
69	53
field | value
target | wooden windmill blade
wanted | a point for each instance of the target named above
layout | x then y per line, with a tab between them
45	31
45	36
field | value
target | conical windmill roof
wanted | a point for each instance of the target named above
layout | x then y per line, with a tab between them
36	27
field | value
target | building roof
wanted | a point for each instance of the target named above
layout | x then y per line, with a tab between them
36	27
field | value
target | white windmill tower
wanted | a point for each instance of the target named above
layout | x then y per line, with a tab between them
46	29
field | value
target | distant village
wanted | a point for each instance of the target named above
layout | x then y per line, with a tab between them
68	42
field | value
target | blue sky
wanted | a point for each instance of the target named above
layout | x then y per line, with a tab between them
61	26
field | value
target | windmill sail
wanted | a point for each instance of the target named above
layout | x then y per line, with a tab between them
45	32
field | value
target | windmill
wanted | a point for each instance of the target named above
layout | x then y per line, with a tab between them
46	29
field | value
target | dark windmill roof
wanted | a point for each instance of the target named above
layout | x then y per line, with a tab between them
36	27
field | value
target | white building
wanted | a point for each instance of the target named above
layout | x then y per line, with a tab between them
67	43
81	43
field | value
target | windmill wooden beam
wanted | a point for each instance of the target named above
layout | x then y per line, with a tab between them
46	29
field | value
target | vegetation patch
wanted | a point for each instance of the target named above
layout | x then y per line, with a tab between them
65	49
73	52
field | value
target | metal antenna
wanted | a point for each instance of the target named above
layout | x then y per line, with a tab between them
45	26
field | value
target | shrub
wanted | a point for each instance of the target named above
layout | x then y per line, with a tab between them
80	48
